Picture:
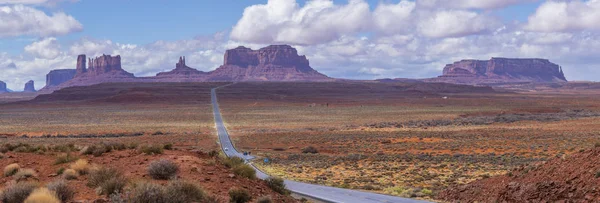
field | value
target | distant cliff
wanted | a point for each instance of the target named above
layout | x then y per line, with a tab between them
272	63
502	70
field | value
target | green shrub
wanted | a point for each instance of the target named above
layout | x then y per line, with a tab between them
62	190
238	195
65	158
107	181
310	150
265	199
245	171
277	185
151	149
17	193
148	193
168	146
232	162
183	192
60	171
163	169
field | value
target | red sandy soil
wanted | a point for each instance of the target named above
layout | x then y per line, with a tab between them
211	175
571	179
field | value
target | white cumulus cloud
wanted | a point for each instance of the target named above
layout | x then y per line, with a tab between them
47	48
564	16
23	20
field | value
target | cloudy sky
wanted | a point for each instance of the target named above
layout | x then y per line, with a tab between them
358	39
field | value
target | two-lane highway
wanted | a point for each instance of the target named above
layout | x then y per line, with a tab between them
324	193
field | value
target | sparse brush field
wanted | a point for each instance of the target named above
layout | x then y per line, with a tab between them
412	146
131	143
400	139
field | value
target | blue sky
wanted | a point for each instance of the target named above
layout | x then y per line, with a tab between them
360	39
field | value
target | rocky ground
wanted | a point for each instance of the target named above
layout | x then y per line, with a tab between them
573	178
195	166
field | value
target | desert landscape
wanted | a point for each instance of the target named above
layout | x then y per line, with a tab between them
294	101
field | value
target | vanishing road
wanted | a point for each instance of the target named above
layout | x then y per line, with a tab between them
323	193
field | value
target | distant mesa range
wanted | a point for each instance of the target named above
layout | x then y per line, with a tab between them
272	63
501	70
282	63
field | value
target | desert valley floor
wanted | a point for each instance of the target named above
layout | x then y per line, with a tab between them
405	139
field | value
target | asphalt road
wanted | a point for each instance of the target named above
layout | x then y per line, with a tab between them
323	193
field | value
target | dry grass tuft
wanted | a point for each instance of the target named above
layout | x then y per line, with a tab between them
81	166
42	195
11	169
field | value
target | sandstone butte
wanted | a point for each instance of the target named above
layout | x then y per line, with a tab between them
29	87
501	70
3	88
272	63
282	63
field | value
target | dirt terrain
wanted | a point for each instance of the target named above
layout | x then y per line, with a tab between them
572	178
197	167
142	114
407	143
406	139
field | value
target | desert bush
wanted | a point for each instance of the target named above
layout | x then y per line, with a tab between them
70	174
107	181
239	195
277	185
245	171
11	169
183	192
112	186
17	193
132	145
81	166
62	190
163	169
148	193
64	148
265	199
60	171
168	146
151	149
42	195
24	174
213	153
65	158
310	150
232	162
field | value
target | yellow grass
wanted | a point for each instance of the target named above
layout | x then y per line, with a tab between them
42	195
11	169
81	166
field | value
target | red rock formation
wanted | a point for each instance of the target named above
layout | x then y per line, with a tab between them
29	87
502	70
57	77
181	71
3	88
103	69
81	69
272	63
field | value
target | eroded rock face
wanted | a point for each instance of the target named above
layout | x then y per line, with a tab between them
181	71
101	69
60	76
3	88
503	70
272	63
29	87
